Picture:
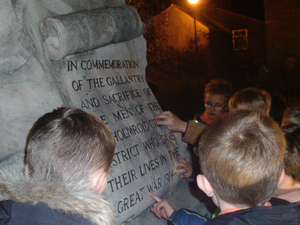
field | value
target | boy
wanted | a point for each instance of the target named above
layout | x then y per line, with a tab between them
249	98
67	160
289	189
216	96
241	157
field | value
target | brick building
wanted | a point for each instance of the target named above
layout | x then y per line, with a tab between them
234	44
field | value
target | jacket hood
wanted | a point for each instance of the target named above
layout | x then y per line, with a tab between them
73	198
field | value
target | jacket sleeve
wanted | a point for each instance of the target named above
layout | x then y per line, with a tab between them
186	217
193	132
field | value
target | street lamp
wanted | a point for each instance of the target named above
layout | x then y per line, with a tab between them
195	24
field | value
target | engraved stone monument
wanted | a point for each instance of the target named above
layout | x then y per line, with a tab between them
89	54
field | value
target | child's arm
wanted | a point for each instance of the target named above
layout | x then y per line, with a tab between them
186	169
162	208
190	130
186	217
172	122
192	133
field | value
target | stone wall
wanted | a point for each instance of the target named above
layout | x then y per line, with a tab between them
88	54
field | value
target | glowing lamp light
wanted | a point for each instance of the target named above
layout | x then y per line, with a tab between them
193	1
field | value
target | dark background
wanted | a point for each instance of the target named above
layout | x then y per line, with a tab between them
177	79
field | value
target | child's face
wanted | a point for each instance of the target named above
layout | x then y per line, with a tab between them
215	105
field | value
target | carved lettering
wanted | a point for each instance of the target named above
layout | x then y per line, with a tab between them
119	80
163	159
174	153
121	96
154	185
76	85
168	177
122	180
125	155
154	106
122	114
130	201
90	103
147	91
149	166
133	130
167	137
139	109
95	83
103	118
150	144
72	65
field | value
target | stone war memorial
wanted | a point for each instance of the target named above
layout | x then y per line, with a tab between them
90	54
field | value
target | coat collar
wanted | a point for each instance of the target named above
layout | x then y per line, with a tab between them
73	198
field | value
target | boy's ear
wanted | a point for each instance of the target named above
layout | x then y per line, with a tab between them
282	176
99	181
204	185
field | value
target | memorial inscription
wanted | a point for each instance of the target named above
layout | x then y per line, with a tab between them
115	90
91	55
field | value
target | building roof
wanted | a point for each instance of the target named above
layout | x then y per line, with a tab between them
219	19
201	18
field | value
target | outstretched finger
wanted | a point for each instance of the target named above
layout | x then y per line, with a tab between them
181	159
180	164
182	171
162	122
162	115
156	198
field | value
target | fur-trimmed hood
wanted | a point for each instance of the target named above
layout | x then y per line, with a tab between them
72	198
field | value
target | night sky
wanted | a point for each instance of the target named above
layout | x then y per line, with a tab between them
250	8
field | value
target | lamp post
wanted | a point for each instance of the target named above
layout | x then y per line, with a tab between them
195	24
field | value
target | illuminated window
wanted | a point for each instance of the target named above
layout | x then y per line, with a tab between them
240	39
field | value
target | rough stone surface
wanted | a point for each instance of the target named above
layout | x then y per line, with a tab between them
105	77
83	31
185	195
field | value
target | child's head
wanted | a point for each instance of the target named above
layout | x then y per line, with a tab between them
216	95
292	153
251	99
291	115
241	156
69	144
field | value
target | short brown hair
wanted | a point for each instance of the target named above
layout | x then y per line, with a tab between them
241	154
291	115
251	99
220	87
70	144
292	153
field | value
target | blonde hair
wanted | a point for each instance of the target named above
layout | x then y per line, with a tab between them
251	99
291	115
68	144
241	154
